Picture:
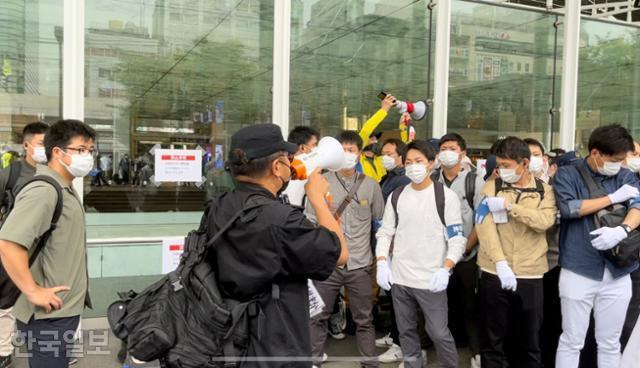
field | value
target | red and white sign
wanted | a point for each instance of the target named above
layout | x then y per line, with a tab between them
173	165
171	251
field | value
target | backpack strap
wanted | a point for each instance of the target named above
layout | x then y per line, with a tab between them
352	193
438	189
435	175
540	188
595	191
498	186
56	212
395	195
470	187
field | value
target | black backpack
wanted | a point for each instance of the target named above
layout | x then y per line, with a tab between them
9	293
183	319
438	189
627	252
469	185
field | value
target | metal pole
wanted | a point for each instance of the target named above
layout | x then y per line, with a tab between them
73	67
441	70
281	60
569	92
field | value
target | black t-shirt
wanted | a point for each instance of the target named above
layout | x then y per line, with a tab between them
279	246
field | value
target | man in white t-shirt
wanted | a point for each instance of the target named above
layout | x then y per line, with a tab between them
428	241
307	140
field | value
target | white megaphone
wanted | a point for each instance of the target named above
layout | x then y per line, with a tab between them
329	155
417	110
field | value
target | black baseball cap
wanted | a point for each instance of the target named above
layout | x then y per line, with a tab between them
261	140
490	165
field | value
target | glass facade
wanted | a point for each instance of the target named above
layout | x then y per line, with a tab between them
344	53
186	74
504	68
31	38
608	79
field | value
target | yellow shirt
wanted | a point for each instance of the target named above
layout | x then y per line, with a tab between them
372	168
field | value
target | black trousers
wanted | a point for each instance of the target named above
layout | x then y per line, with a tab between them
48	341
463	305
519	312
552	323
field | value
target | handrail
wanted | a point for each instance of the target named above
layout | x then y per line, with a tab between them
128	240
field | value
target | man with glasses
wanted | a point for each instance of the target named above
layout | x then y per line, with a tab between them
55	288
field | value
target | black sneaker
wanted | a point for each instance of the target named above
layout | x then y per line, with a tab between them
6	361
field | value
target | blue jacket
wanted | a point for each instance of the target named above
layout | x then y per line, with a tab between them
394	179
576	252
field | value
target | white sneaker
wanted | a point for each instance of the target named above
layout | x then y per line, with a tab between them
475	361
384	342
394	354
424	360
325	357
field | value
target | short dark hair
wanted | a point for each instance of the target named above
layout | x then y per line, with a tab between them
302	135
513	148
423	146
492	150
240	164
453	137
32	129
350	137
611	140
62	132
401	147
534	142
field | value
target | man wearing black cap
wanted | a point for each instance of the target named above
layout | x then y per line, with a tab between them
269	256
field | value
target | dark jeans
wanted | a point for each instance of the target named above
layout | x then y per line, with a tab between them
552	323
524	309
48	341
634	309
463	305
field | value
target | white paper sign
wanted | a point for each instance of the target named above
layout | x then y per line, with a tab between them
316	304
171	251
174	165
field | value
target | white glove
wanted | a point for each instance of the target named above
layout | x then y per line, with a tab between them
496	204
439	281
609	237
625	193
506	275
383	275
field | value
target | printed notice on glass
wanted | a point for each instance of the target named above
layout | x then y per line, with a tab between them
173	165
315	300
171	251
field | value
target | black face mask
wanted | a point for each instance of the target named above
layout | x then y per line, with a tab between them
285	184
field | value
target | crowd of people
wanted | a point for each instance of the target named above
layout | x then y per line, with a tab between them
512	259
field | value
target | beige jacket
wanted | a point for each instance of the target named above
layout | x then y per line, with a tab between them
522	240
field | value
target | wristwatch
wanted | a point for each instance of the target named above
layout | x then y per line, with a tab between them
626	228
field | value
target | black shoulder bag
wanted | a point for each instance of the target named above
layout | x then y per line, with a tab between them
627	252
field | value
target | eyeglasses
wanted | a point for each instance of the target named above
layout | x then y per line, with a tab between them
83	151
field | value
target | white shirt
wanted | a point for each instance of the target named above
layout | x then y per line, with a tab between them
295	192
420	246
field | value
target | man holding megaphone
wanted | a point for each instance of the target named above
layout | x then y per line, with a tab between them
357	200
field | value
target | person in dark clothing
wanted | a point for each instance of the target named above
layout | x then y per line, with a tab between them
276	252
124	169
392	150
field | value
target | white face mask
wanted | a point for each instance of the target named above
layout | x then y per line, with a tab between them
633	164
416	172
449	158
39	155
536	164
350	160
388	162
509	175
610	168
80	166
